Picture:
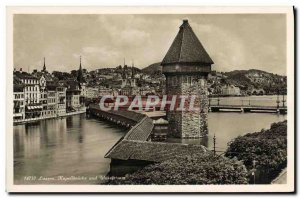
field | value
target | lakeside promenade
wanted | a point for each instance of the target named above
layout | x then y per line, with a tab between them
34	120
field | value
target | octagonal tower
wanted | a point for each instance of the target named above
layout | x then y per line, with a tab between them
186	67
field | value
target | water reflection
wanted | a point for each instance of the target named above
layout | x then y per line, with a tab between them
75	146
72	146
227	126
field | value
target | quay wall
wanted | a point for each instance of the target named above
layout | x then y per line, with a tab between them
29	120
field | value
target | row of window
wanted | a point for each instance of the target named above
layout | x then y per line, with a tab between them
43	95
31	95
30	81
51	94
31	101
48	113
51	100
31	88
19	96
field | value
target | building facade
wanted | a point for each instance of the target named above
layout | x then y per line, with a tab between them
61	100
33	107
186	67
51	101
231	90
19	102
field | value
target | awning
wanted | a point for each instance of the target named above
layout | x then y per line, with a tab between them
34	107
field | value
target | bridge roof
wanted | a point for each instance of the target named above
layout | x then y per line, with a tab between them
186	48
152	151
134	145
141	131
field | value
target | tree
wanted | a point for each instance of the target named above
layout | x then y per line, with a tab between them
268	148
203	168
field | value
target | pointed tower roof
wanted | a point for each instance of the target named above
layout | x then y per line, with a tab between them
186	48
80	77
132	70
44	67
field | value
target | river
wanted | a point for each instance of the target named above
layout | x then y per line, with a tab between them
75	146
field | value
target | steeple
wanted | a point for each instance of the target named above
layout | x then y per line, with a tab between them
44	67
80	64
80	77
132	70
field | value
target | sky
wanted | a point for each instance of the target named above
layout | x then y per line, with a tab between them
233	41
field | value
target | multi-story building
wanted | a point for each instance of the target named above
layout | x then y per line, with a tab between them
19	102
43	96
51	100
92	92
103	91
72	96
33	107
61	100
45	78
231	90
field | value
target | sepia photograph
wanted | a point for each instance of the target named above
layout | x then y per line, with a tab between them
135	99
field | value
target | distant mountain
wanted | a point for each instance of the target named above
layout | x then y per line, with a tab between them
153	69
246	80
257	79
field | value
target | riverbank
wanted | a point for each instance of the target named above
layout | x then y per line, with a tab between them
34	120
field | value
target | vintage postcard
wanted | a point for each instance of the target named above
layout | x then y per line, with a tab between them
150	99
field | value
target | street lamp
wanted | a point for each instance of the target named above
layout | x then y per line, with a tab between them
254	170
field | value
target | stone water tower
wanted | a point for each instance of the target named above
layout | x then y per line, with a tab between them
186	67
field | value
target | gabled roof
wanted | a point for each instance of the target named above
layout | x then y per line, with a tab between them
186	48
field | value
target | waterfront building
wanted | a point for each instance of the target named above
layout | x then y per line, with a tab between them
19	100
51	100
43	97
33	107
61	100
231	90
186	67
44	78
72	96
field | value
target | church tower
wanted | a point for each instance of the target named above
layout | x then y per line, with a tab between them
44	66
132	79
81	81
186	67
